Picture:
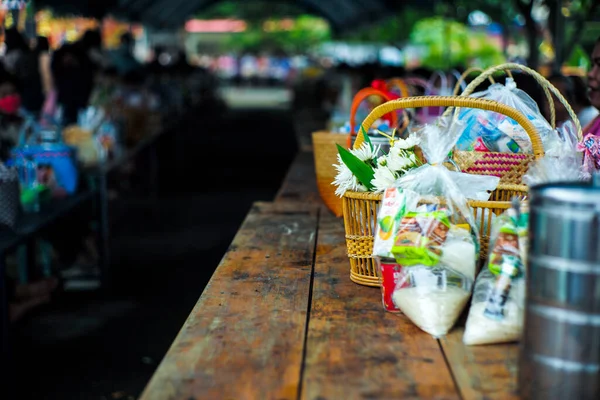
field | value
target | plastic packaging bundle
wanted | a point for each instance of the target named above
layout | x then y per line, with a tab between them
489	131
562	161
497	308
433	234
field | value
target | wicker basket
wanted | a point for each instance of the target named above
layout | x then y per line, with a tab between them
509	167
360	209
325	151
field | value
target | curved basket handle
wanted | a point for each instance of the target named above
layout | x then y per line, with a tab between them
443	80
459	101
416	81
544	83
443	85
362	95
400	84
460	83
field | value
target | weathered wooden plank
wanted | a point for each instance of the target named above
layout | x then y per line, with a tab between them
355	350
482	372
300	183
245	337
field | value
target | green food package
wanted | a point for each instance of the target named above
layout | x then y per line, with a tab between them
510	245
420	238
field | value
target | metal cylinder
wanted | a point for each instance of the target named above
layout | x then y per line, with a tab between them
560	349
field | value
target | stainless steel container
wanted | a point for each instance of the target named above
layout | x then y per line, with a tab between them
560	349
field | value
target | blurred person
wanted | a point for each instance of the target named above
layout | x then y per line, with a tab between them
42	48
594	90
91	43
122	58
24	63
15	47
10	120
581	104
73	73
591	132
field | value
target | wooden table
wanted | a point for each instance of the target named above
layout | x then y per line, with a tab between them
280	319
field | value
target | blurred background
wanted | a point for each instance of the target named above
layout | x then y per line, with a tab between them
183	113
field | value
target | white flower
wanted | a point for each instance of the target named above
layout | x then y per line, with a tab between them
345	179
383	179
365	152
399	160
408	143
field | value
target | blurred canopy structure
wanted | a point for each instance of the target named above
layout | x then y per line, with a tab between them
343	15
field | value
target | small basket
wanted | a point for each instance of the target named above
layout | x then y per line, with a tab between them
325	151
509	167
325	154
360	209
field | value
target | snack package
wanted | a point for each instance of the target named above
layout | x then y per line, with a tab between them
435	237
393	206
490	131
497	309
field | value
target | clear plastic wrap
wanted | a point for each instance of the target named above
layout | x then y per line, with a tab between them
497	307
433	234
489	131
562	162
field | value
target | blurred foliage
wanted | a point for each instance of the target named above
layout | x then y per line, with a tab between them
287	28
449	44
579	58
392	30
251	10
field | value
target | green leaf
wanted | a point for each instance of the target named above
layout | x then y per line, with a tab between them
363	172
366	137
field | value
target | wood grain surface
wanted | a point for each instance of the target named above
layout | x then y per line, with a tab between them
248	335
356	350
482	372
245	337
300	184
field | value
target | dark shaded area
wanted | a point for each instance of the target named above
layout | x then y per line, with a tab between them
107	345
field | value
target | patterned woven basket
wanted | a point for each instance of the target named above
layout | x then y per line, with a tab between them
509	167
325	151
360	209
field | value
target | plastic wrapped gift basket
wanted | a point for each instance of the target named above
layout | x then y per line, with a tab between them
360	209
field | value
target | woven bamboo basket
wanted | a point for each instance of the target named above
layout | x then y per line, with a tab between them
325	154
325	151
509	167
360	209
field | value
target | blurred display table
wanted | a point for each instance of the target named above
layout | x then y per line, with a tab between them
280	319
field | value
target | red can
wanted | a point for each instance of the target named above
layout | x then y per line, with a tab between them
390	272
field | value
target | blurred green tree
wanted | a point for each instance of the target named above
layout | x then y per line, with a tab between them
449	44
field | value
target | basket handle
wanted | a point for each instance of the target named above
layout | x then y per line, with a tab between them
400	84
362	95
416	81
458	101
443	80
544	83
461	79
